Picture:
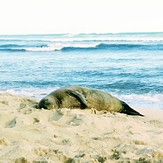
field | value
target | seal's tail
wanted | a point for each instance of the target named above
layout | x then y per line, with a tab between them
128	110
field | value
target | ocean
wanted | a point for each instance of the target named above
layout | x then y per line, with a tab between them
127	65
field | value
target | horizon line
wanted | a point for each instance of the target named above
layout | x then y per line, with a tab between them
80	33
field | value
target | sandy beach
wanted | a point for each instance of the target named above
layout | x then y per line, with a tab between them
29	135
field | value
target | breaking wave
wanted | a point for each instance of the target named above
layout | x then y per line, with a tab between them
65	47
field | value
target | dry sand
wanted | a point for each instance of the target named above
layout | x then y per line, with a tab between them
28	135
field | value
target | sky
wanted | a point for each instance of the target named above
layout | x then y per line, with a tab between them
80	16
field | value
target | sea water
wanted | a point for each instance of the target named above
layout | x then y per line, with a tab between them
127	65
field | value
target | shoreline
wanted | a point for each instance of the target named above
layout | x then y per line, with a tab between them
65	135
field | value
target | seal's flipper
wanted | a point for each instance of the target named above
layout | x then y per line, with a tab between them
128	110
79	97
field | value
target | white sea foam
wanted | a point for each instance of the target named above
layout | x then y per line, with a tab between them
33	92
149	101
60	46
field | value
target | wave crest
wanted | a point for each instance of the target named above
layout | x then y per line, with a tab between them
80	45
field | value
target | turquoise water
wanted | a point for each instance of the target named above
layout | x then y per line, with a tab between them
128	65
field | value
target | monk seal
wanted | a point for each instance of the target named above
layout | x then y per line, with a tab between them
83	97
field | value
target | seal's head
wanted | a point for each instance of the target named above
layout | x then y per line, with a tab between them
47	103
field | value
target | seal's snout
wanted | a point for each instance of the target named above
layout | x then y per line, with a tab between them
35	105
42	104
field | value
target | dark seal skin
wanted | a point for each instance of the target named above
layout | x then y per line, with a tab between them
85	98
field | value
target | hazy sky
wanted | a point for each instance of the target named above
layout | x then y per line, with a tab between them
78	16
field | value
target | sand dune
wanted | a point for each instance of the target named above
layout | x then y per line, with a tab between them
28	135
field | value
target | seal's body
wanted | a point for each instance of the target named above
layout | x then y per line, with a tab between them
83	97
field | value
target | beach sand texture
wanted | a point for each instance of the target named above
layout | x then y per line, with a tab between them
29	135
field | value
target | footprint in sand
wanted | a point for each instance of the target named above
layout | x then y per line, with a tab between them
11	123
56	116
53	152
21	160
3	142
4	102
66	117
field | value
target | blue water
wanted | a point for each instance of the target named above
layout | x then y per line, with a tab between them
128	65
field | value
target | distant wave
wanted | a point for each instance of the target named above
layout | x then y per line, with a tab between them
19	48
12	50
80	46
103	46
10	46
